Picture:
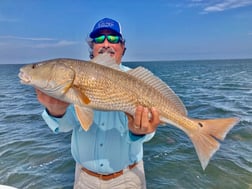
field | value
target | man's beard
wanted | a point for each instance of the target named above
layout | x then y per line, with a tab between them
108	50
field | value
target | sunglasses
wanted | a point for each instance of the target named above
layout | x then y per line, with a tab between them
111	38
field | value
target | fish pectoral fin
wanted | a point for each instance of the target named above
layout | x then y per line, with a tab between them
81	95
67	87
85	116
206	138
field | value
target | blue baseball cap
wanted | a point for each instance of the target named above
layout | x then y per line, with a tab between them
106	23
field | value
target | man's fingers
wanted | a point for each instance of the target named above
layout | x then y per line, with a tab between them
138	117
145	119
155	116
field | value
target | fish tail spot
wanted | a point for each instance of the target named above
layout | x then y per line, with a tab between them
200	124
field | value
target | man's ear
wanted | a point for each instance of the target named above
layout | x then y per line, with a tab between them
124	50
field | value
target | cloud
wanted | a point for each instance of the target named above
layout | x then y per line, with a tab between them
19	49
219	5
25	38
10	41
227	4
62	43
6	19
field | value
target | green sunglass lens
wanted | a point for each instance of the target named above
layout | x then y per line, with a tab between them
110	38
113	39
99	39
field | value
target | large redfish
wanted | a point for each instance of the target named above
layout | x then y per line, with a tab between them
99	84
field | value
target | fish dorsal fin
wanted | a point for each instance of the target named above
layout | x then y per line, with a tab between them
149	78
106	60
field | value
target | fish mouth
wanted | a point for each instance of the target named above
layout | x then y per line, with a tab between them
24	78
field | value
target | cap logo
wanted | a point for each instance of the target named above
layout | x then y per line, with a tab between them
105	24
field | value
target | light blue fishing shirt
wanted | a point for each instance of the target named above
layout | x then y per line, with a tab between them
108	146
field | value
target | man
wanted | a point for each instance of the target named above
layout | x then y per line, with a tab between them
109	154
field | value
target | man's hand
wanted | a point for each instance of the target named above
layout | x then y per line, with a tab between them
146	121
55	107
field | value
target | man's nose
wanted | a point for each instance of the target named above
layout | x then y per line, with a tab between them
106	43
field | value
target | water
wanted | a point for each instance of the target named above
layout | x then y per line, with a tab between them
32	157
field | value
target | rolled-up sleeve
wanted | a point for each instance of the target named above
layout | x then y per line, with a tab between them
140	138
63	124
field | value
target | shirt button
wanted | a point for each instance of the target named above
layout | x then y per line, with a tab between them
101	145
101	164
102	124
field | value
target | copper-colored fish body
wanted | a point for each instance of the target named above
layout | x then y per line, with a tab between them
100	84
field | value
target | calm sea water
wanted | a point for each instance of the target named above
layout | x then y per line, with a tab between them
32	157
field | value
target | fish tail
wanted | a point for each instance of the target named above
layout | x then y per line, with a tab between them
206	138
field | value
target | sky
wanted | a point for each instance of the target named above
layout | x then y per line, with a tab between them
35	30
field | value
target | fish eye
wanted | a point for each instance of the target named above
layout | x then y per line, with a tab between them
36	65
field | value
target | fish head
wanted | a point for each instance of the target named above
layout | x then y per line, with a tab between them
52	77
